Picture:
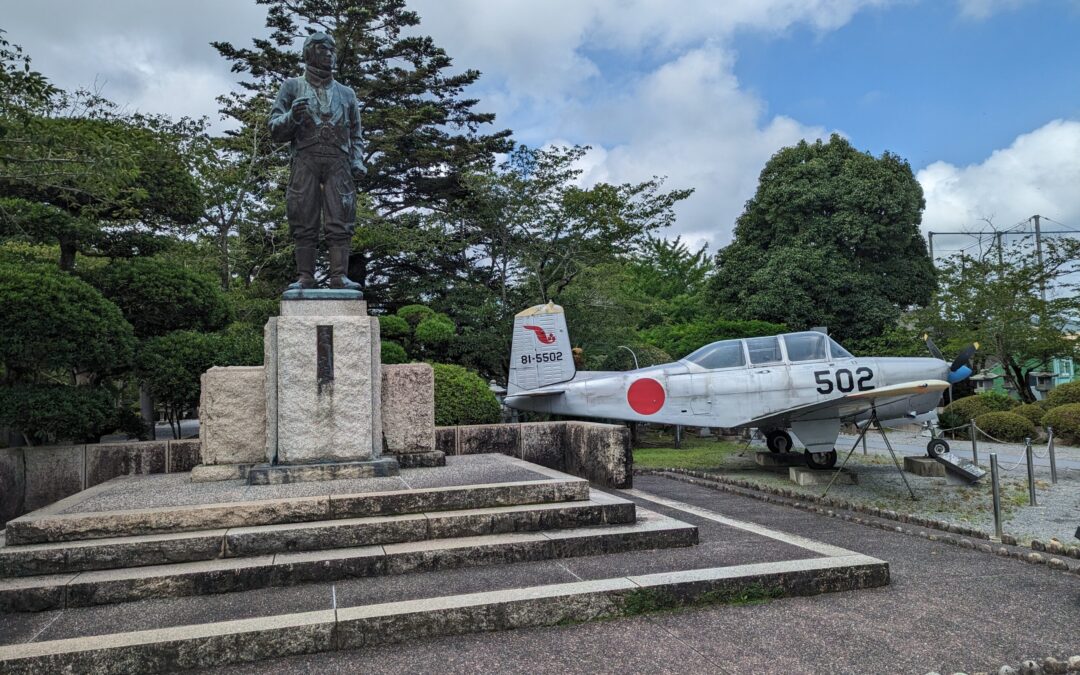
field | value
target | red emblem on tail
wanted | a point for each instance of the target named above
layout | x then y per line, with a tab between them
545	338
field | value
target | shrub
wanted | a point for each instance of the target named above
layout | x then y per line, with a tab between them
462	397
1065	420
392	352
53	321
159	296
1033	411
414	314
435	331
53	412
394	327
963	410
620	359
1005	426
1063	394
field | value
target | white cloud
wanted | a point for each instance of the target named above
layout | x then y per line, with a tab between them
983	9
1037	173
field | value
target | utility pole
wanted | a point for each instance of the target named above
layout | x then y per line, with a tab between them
1038	251
998	235
930	238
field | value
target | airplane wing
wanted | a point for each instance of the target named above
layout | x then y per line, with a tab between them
849	405
536	392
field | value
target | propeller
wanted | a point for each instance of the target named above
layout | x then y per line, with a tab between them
960	369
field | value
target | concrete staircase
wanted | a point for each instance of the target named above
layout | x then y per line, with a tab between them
156	574
65	557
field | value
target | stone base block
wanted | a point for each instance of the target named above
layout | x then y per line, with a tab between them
807	476
924	466
779	459
416	460
267	474
206	473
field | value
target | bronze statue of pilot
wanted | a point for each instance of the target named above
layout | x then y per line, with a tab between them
320	119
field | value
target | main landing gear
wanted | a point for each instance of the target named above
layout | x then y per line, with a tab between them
936	448
778	440
821	460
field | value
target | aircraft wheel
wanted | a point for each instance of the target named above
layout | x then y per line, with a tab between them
937	447
778	440
824	460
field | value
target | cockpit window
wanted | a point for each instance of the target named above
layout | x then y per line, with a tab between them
805	347
726	354
764	350
838	352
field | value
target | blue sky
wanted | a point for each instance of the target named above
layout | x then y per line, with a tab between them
981	96
923	81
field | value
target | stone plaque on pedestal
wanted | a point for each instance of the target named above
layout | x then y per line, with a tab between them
323	383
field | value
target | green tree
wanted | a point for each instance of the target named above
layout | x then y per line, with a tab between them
61	346
831	238
462	397
158	296
998	302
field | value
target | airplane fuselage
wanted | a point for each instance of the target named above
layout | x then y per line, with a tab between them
688	394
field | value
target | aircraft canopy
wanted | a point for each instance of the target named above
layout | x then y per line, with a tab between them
797	347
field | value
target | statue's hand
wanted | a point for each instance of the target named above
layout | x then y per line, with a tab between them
358	169
299	109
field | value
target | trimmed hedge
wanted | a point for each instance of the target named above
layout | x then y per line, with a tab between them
55	412
1033	411
963	410
392	352
1065	420
394	327
1006	426
1063	394
462	397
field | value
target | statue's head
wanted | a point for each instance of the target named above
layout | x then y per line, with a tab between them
320	51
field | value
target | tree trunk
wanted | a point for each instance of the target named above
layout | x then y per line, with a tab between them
146	411
67	254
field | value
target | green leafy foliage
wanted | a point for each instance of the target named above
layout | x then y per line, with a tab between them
54	412
1063	394
621	359
414	314
434	332
158	297
394	327
391	352
55	323
1006	426
462	397
1034	413
831	238
961	411
997	301
1065	420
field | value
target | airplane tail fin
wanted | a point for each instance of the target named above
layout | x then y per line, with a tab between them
540	354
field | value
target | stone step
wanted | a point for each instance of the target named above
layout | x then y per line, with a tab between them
31	594
50	525
101	554
215	643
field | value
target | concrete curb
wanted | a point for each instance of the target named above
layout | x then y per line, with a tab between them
247	640
878	518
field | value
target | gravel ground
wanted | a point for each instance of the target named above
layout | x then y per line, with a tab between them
1058	511
879	484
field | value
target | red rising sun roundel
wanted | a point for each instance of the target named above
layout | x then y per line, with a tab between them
645	396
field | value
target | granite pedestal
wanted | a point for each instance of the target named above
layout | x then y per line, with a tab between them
323	388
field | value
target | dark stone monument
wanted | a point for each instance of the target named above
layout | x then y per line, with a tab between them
320	119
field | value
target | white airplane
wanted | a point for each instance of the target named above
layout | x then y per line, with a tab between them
803	383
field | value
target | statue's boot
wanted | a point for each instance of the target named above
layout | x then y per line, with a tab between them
339	266
305	268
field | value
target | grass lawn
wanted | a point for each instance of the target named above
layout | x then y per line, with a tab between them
711	456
